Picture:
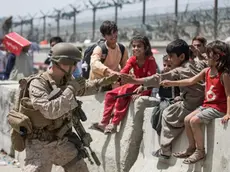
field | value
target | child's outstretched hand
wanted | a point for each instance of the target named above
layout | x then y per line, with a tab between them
225	119
126	78
166	83
139	89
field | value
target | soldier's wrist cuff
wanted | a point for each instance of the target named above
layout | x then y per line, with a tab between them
71	88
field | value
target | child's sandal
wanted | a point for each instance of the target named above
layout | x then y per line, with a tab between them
195	157
110	128
184	154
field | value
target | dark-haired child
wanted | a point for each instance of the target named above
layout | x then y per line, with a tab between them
143	64
114	61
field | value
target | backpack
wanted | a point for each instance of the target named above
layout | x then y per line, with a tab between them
89	51
19	122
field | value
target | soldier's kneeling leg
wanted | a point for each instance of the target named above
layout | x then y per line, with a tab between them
76	166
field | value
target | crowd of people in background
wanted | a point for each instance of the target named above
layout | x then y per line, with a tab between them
7	61
16	67
192	89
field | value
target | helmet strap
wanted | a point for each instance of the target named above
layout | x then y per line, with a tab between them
59	67
67	74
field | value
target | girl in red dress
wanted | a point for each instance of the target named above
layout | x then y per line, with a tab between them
216	103
143	64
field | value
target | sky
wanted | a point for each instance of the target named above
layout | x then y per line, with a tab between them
33	7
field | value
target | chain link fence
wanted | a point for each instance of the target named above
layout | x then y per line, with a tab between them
193	19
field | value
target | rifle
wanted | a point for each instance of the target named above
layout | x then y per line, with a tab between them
86	139
82	139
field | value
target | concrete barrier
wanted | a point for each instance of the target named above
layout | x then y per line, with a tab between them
131	147
7	92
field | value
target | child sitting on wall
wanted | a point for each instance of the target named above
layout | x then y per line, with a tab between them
216	103
143	64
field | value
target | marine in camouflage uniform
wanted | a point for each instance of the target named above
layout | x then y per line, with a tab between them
43	147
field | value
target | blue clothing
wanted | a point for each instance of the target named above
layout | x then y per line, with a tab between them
9	66
78	72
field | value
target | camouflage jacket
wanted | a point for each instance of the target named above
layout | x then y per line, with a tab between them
39	91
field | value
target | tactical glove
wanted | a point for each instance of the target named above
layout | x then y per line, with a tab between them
76	84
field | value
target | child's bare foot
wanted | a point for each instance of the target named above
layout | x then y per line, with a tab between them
110	128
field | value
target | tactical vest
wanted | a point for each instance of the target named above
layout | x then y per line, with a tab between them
37	119
26	122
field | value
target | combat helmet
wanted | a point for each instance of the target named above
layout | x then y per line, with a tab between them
65	53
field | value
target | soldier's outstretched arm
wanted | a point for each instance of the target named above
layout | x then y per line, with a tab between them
92	86
51	109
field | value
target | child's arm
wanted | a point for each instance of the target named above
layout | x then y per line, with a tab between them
226	81
95	63
126	78
151	81
185	82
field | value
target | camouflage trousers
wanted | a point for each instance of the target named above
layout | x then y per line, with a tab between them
41	155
